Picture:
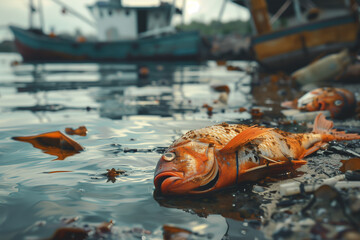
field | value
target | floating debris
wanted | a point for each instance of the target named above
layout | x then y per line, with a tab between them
57	172
113	173
81	131
53	143
104	227
293	188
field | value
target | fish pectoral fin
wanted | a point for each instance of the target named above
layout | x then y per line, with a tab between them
244	137
313	149
277	165
268	159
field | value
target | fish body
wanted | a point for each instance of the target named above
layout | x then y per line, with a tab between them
223	155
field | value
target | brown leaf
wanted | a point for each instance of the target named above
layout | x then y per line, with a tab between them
53	143
81	131
351	164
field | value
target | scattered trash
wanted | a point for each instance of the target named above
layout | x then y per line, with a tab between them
53	143
324	69
297	115
81	131
293	188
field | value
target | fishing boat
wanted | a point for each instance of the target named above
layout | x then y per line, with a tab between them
125	33
299	32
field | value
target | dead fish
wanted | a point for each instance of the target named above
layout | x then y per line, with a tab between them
339	102
224	155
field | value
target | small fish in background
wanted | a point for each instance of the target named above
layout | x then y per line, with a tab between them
53	143
341	103
81	131
224	155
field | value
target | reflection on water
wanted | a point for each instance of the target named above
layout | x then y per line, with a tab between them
131	115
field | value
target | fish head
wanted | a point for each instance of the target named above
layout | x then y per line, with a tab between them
339	102
187	168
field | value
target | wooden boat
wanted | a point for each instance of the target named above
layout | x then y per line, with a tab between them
312	36
125	34
34	46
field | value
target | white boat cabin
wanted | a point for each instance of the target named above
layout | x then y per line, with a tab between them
117	22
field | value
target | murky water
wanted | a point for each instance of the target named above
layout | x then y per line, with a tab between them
130	119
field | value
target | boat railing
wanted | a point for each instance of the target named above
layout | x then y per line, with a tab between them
157	32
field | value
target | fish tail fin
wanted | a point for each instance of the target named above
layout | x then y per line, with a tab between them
325	127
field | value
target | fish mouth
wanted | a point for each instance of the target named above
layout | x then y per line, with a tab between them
164	180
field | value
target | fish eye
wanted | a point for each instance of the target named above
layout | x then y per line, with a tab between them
338	102
169	156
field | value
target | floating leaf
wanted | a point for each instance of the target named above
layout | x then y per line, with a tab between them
53	143
81	131
112	173
104	227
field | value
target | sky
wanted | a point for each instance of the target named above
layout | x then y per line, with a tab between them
16	12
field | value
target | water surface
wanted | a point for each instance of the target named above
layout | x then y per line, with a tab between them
130	120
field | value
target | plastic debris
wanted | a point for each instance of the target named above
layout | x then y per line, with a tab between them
323	69
293	188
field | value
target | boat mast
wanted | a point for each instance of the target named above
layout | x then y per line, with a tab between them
222	9
75	13
297	11
41	15
183	13
31	8
260	16
172	11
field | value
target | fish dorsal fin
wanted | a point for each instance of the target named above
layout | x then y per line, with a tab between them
322	125
244	137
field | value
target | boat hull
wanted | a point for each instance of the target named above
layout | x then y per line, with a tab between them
295	47
37	47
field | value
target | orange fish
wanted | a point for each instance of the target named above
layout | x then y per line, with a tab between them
341	103
223	155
